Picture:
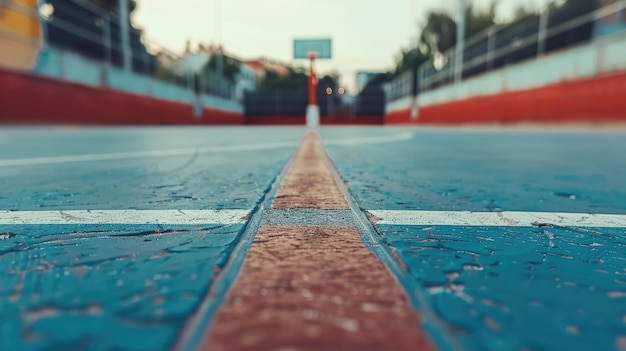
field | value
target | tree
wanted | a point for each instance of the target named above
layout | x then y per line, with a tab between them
478	21
113	5
409	60
438	35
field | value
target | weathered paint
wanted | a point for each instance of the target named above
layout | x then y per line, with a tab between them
186	217
486	170
314	288
516	288
309	183
103	287
143	168
511	286
20	34
306	285
504	218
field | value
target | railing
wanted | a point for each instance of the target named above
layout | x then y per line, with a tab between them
96	34
502	45
528	38
402	86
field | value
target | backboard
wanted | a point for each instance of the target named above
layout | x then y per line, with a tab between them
302	48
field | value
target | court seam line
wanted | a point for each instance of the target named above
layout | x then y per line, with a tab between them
196	325
310	186
373	241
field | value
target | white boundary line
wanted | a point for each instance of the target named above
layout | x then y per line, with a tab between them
141	154
370	140
505	219
33	161
183	217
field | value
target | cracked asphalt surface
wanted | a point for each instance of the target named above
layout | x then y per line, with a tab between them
132	287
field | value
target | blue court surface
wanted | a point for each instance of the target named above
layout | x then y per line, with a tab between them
510	239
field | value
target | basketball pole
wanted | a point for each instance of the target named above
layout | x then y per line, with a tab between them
312	111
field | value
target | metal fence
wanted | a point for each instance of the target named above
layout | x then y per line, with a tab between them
96	33
502	45
289	103
403	85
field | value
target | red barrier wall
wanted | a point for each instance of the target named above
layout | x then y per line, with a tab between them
399	117
599	99
29	99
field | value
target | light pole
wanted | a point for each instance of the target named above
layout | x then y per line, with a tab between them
460	42
125	34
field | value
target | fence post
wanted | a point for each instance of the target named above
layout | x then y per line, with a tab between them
460	43
491	46
219	71
107	39
125	34
543	28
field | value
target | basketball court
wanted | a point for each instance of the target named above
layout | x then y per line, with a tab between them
237	238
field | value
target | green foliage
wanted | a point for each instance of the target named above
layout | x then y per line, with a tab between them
478	21
408	60
439	35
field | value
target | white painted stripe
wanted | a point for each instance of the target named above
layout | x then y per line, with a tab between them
142	154
371	140
509	219
182	217
33	161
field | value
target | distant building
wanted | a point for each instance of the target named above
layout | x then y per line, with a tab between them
261	66
195	62
364	77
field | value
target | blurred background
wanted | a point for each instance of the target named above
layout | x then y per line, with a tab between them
394	62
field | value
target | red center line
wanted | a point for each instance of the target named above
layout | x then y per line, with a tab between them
314	287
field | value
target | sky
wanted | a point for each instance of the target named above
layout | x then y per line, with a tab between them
366	34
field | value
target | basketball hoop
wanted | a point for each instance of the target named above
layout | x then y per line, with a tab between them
312	49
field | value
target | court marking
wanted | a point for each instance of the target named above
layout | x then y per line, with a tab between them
33	161
141	154
371	140
305	276
182	217
498	219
